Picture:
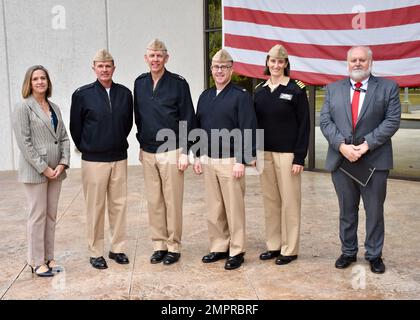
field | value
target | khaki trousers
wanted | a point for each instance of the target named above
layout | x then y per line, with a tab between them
43	201
282	203
105	182
226	207
165	191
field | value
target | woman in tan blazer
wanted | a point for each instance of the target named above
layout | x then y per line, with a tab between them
44	156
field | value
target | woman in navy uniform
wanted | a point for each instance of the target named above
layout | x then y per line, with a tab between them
282	110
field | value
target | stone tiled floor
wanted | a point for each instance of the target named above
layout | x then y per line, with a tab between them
312	276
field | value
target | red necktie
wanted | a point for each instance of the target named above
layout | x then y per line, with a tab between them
355	104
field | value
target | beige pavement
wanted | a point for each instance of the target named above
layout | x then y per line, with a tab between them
312	276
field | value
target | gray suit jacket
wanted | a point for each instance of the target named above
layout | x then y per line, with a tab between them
378	120
40	146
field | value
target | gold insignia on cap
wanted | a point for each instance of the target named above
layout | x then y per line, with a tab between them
278	52
156	45
102	56
222	56
300	84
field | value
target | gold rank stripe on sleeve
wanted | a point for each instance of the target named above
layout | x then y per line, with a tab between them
300	84
259	85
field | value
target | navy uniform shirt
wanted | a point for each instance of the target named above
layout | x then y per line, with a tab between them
100	124
284	116
162	108
231	109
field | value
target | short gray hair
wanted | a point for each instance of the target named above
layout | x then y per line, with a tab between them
367	49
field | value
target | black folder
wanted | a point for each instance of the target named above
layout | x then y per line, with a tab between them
360	171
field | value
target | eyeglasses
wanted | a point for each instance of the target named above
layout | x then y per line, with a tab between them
222	67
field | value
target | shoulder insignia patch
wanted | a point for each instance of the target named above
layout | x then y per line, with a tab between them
85	87
142	75
176	76
300	84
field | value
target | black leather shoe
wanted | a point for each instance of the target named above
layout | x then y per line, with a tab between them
214	256
344	261
171	257
269	254
120	258
234	262
158	256
377	265
285	259
98	263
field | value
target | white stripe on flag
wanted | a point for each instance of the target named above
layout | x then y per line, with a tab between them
409	32
399	67
319	7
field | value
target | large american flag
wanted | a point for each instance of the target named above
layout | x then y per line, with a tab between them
317	35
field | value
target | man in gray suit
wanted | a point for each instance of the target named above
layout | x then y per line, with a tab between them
359	116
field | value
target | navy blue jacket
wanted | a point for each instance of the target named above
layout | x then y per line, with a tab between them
284	116
231	109
100	125
163	108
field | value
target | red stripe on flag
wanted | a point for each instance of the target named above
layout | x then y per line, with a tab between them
390	51
374	19
312	78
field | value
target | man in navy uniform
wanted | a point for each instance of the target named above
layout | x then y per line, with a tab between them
101	118
162	101
229	108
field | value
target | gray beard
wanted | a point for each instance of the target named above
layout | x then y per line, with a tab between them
359	75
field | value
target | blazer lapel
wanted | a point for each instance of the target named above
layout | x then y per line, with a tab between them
372	84
57	113
36	108
345	91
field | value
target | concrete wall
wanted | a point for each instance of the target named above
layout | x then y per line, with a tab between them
6	153
64	35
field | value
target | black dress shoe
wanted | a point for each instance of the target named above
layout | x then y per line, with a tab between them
214	256
234	262
344	261
269	254
377	265
98	263
158	256
171	257
285	259
120	258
